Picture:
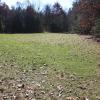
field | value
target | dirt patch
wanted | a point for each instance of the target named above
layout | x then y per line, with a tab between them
90	37
55	85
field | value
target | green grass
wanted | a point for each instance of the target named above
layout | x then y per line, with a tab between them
22	53
64	52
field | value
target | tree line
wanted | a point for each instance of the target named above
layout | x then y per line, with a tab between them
29	20
82	18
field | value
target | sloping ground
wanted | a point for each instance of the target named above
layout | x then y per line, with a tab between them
49	67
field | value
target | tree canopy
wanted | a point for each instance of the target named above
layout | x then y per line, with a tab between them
82	18
29	20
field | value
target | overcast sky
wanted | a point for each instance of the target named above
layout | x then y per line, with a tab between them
64	3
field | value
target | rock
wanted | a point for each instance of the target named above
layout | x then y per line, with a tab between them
20	85
45	64
43	92
26	95
19	89
51	94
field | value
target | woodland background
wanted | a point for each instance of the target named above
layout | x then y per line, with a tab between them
82	18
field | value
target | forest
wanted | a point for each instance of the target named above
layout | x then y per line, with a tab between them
82	18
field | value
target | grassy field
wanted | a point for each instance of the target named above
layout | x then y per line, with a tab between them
55	66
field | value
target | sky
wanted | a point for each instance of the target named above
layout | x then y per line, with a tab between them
66	4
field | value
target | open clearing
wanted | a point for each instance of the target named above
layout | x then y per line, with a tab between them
48	67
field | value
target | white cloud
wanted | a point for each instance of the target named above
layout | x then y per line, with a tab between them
12	2
64	3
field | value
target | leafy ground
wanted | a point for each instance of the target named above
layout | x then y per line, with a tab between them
49	67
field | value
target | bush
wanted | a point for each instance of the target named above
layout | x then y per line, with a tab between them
97	27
